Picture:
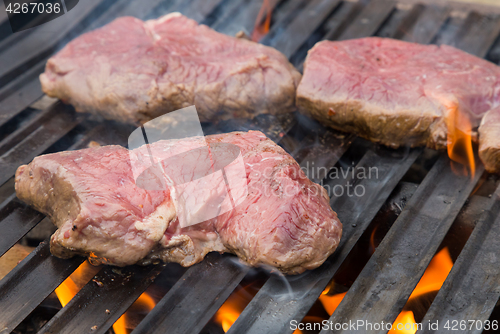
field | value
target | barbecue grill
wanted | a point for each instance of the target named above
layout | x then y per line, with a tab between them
31	125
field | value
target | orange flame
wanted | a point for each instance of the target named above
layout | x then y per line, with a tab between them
432	280
227	315
143	304
232	308
330	303
75	282
229	312
405	323
373	245
435	274
459	141
66	291
262	26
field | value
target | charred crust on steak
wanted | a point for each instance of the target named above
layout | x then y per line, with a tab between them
408	128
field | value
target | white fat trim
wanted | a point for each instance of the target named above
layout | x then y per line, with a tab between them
149	25
212	242
167	17
157	222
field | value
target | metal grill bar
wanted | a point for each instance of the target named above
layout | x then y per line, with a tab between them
103	300
245	17
227	13
160	8
190	304
282	16
452	31
478	25
274	301
325	153
201	10
108	301
53	129
17	136
303	26
30	282
19	94
382	288
338	23
370	19
335	26
321	148
3	14
38	141
471	290
407	22
104	134
38	44
185	318
140	9
5	29
427	25
16	219
6	192
289	307
306	291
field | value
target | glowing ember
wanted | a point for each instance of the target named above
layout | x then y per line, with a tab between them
459	139
262	26
143	304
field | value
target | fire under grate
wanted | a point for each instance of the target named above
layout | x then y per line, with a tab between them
383	286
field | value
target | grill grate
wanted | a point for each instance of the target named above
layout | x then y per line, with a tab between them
356	214
470	292
381	289
218	277
30	283
103	303
395	268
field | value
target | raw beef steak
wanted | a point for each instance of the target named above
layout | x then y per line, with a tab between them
283	220
400	93
134	71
